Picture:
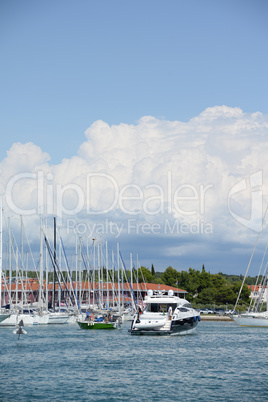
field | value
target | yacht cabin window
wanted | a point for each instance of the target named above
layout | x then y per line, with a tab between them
188	305
160	308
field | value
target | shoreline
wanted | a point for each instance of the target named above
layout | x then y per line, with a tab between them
215	318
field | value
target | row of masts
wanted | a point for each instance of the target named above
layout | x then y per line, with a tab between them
104	273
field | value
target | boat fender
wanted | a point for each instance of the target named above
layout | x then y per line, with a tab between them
199	318
194	319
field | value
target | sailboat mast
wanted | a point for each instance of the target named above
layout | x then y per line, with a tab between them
113	278
93	276
17	274
107	279
131	280
1	251
10	261
119	288
59	265
99	276
76	265
54	265
21	245
80	272
137	279
41	268
46	267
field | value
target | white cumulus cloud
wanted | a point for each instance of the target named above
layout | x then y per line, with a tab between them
152	170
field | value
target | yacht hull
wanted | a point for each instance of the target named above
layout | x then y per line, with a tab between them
184	326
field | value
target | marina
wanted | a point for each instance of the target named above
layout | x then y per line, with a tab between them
60	292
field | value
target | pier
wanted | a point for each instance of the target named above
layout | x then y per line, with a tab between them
216	318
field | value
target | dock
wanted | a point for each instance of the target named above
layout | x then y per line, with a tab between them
208	317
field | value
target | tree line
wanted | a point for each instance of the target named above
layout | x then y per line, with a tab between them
204	289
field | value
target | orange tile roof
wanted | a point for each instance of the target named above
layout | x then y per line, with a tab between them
255	288
33	285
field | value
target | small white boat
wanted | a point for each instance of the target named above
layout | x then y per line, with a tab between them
58	318
14	319
4	317
28	319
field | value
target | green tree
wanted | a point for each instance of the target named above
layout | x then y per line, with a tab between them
225	294
245	293
204	280
170	277
145	275
217	281
193	283
206	296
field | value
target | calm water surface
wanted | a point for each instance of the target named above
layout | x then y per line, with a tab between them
221	362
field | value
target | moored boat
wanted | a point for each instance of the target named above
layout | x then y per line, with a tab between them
96	325
252	319
100	323
255	316
4	317
58	318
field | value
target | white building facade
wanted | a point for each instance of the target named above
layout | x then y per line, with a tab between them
257	292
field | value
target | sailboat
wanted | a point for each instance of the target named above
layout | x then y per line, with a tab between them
56	317
3	316
255	318
252	319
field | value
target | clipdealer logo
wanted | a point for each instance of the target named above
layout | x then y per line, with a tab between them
133	226
253	185
101	194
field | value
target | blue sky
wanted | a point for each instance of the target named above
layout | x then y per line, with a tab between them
66	65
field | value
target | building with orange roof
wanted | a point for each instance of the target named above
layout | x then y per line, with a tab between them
257	291
27	291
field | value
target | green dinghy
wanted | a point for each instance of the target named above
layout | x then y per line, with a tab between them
99	324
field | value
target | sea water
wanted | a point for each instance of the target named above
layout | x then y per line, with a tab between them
221	362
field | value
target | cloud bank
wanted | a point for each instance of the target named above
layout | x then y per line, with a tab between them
170	188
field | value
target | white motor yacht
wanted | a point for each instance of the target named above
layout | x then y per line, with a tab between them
165	314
